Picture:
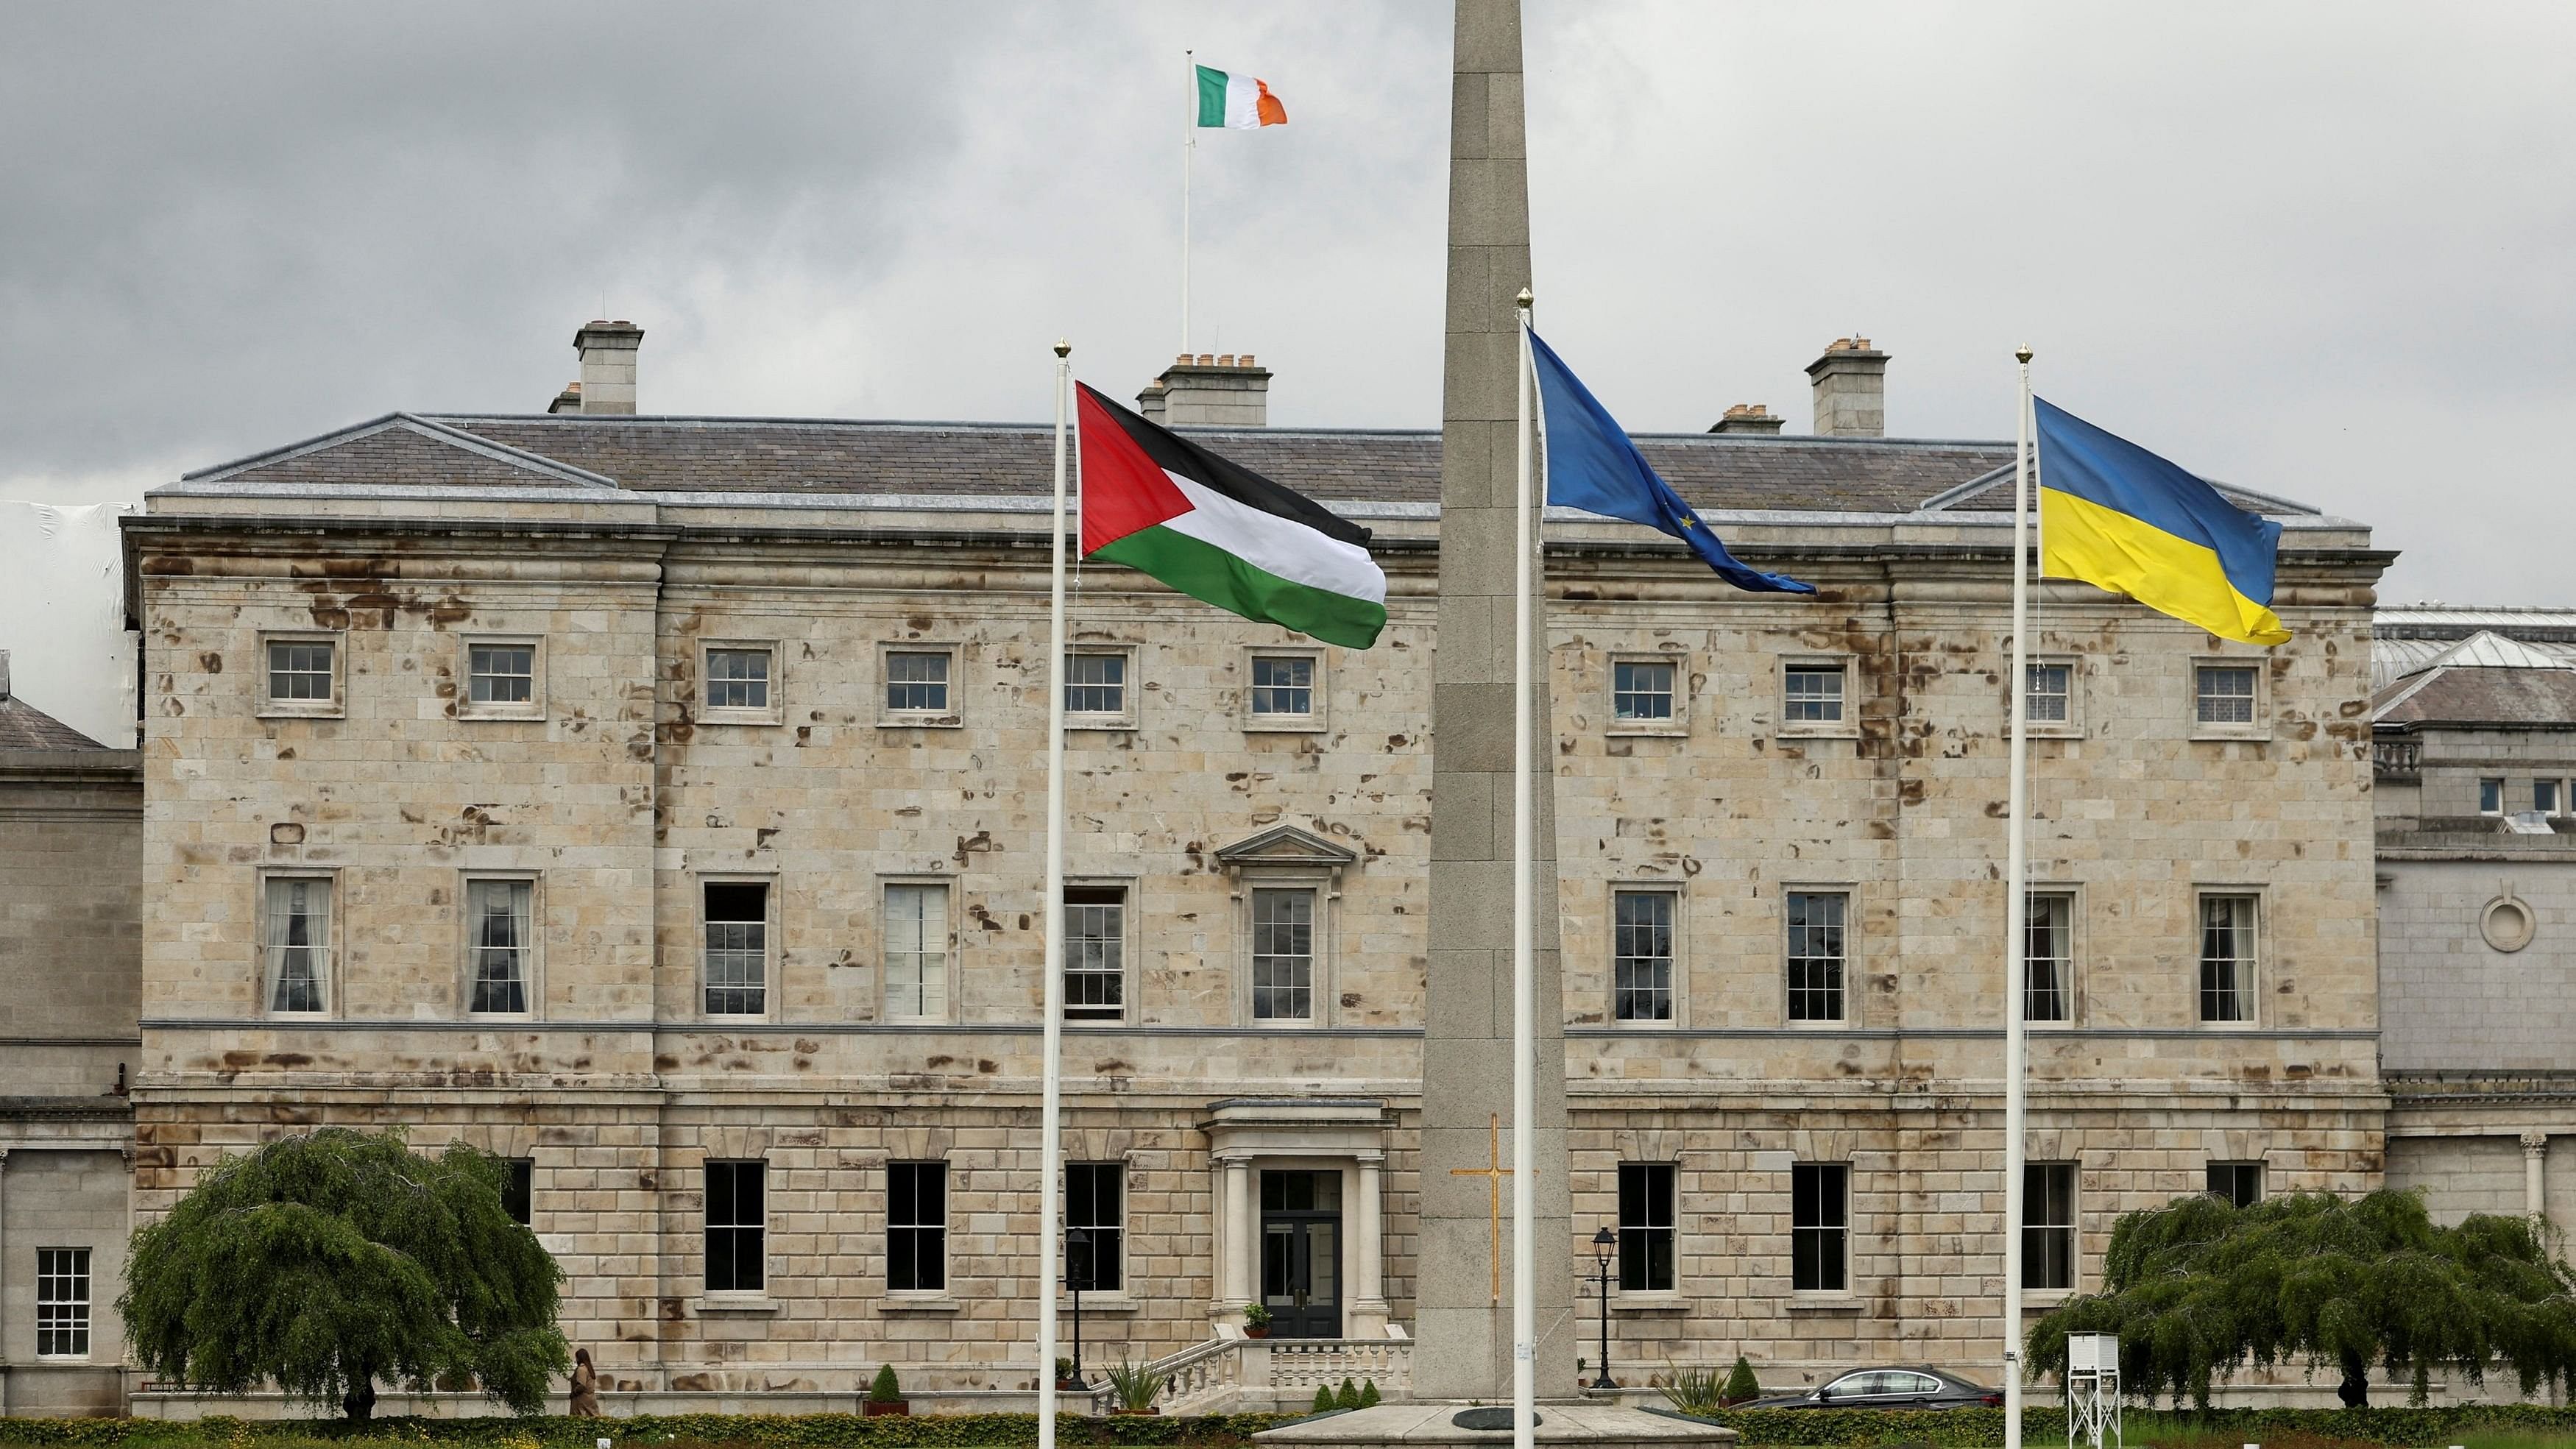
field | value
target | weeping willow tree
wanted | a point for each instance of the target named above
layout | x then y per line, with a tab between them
2199	1287
331	1262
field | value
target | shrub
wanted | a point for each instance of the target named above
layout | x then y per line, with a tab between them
885	1388
1136	1384
1368	1393
1692	1390
1741	1384
1323	1400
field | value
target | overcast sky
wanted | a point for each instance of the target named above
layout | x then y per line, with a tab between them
2320	249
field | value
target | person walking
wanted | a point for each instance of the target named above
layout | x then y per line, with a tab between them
585	1386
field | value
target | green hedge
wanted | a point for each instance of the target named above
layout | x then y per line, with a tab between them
800	1431
2400	1428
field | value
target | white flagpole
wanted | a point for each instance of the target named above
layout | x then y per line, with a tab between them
1524	984
2016	923
1189	147
1051	1110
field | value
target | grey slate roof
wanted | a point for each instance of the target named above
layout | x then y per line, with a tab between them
25	727
2485	679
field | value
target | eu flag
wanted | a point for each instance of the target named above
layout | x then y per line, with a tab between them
1591	465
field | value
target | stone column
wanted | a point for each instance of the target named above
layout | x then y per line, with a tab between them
4	1276
1242	1234
1368	1257
2535	1158
1219	1236
1465	1337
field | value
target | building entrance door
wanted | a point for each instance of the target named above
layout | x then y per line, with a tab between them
1301	1253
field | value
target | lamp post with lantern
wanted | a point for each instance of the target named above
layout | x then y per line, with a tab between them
1605	1243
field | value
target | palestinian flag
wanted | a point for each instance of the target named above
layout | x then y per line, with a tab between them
1219	532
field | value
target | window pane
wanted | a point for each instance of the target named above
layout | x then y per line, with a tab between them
916	1226
1641	956
1816	956
1095	1202
1641	691
1646	1227
1283	955
497	925
917	681
737	1226
2226	694
1095	683
2227	958
500	673
62	1302
2048	963
1819	1226
518	1189
2491	797
916	946
1283	685
2049	693
1815	694
2544	796
737	923
2048	1225
738	679
1095	952
298	943
299	671
2240	1183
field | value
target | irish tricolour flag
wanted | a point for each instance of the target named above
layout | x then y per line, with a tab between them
1239	101
1219	532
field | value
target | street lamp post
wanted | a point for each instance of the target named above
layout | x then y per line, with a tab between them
1604	1243
1077	1264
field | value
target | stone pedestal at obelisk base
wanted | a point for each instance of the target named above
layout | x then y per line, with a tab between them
1463	1331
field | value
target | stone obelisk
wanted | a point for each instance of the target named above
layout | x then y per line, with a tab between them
1465	1340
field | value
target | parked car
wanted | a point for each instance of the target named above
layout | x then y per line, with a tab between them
1910	1387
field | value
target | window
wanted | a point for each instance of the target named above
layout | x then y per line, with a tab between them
62	1302
2051	699
2224	694
1820	1227
916	1227
916	952
2227	958
1283	955
916	681
502	674
737	1226
1095	683
1816	955
1814	694
2491	797
1646	1227
302	671
2048	1225
2544	796
1641	956
737	922
296	939
1641	690
1095	1198
2048	958
497	927
518	1189
2241	1183
737	678
1095	953
1283	685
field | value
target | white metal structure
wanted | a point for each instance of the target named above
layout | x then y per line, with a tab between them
2016	910
1051	1110
2092	1388
1524	986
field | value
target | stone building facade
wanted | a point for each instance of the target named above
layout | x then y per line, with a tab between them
2475	729
71	834
658	801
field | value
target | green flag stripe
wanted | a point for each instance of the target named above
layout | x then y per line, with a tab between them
1211	97
1211	575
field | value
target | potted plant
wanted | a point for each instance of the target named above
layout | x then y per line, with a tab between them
885	1394
1136	1387
1256	1321
1064	1383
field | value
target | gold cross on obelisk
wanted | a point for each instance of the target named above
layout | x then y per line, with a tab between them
1493	1176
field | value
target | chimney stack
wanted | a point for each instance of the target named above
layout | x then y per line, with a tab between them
607	383
1850	383
1209	390
1749	418
4	674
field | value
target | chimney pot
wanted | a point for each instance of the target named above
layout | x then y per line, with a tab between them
607	351
1246	359
1850	386
1225	359
1749	418
4	674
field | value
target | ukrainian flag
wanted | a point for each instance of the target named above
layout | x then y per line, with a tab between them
2116	516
